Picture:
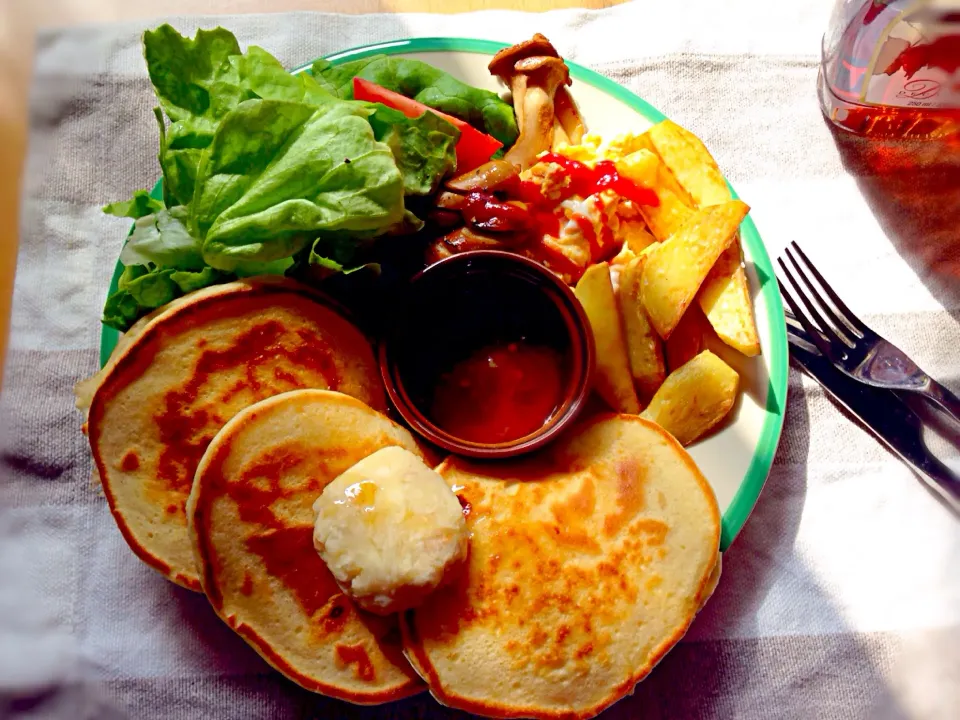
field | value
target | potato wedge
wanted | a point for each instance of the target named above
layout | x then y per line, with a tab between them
725	295
676	268
724	298
636	236
694	397
644	347
690	163
623	257
675	209
649	249
688	339
637	147
612	380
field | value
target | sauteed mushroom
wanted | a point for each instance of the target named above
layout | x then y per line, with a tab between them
485	178
568	118
546	113
461	240
534	84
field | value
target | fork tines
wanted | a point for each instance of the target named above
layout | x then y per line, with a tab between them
830	314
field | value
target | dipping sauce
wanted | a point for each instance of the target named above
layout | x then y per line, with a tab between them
500	393
487	354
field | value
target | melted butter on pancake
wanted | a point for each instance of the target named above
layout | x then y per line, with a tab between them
390	530
286	549
251	523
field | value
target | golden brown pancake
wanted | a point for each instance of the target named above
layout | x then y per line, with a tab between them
587	564
251	522
187	371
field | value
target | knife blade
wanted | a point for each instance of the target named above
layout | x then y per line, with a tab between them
881	412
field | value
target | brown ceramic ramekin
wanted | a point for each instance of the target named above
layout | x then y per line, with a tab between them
459	304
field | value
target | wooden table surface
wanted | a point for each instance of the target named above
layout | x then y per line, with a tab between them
19	20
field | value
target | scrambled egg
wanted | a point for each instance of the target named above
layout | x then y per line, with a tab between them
633	155
602	225
594	212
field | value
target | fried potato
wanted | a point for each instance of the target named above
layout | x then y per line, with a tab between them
688	339
725	295
676	268
668	217
623	257
649	249
694	397
725	299
644	347
612	381
627	147
646	169
640	167
690	163
635	235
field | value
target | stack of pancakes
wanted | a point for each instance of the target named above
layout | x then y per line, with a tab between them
220	419
177	378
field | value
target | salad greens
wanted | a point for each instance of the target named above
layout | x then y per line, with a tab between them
198	82
162	238
141	290
140	205
264	171
423	147
308	170
426	84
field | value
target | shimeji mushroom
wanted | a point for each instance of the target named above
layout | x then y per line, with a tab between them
546	113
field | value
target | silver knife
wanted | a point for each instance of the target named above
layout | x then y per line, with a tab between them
882	412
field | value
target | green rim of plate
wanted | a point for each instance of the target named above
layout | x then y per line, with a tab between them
746	496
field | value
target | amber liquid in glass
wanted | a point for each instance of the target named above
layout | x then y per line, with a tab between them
891	68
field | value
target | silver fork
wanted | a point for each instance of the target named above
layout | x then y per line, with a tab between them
849	344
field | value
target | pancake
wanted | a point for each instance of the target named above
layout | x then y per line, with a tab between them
251	523
189	369
587	564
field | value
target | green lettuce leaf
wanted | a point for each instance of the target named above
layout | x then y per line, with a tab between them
265	172
258	75
426	84
150	288
140	205
198	82
177	164
334	253
188	281
280	173
163	239
142	289
250	268
139	291
338	79
183	73
120	311
424	147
